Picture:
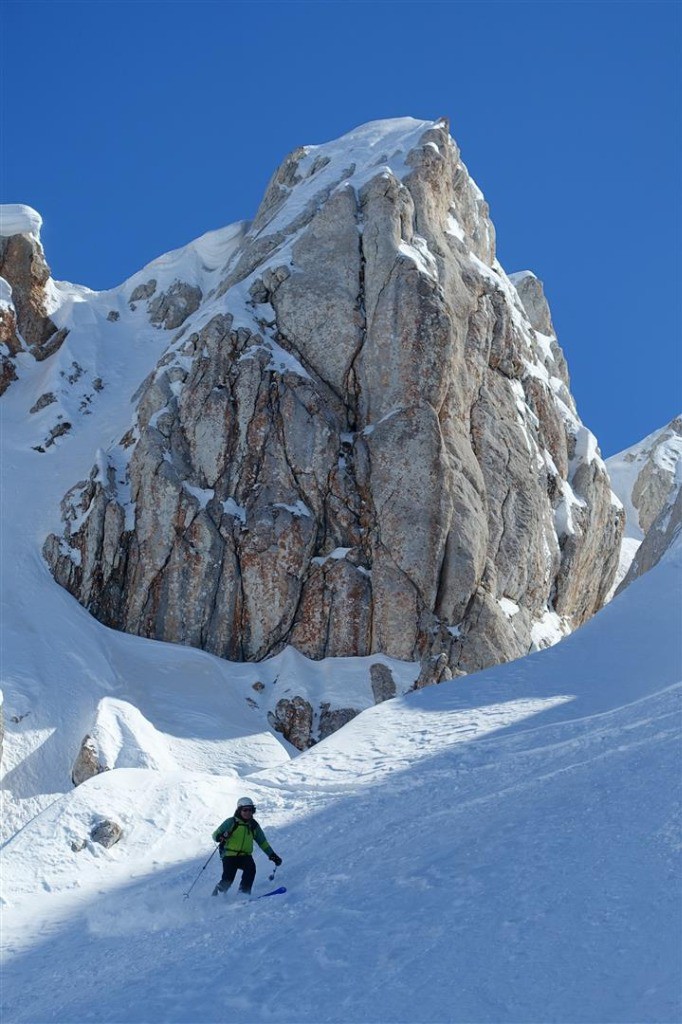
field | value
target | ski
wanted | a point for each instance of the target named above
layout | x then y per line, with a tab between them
273	892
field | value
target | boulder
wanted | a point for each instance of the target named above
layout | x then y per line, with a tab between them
87	763
106	832
383	683
293	717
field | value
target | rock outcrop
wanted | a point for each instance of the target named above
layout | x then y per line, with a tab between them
87	763
363	440
647	479
660	536
656	483
293	718
25	324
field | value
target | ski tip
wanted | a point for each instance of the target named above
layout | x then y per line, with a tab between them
274	892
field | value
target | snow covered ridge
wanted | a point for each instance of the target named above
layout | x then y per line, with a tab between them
357	341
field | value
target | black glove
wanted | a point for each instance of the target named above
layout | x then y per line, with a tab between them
275	859
221	838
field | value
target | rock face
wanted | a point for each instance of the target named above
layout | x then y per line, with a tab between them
25	325
660	536
647	479
362	441
656	460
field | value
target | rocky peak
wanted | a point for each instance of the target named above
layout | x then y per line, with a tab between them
361	441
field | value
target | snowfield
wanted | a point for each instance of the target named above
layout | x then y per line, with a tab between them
502	848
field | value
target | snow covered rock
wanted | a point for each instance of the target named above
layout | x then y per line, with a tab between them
121	737
26	298
647	478
333	719
361	441
659	537
532	295
87	762
106	832
172	307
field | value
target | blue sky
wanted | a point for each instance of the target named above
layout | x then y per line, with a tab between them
134	127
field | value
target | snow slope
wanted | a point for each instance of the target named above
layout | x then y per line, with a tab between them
500	848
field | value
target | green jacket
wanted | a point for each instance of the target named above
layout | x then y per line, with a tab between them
242	835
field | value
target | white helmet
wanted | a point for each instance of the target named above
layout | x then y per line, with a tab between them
245	801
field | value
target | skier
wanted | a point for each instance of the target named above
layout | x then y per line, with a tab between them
236	836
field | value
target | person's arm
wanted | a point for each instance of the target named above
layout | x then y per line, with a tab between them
221	829
259	836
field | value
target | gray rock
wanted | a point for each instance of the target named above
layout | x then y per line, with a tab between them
655	484
87	763
532	294
172	307
47	399
293	717
106	832
333	720
660	536
383	683
434	670
143	291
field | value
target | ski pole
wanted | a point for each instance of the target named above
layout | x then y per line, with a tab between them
186	895
270	877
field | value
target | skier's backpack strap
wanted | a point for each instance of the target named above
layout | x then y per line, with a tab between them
226	835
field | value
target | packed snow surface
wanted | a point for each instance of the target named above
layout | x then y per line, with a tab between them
502	848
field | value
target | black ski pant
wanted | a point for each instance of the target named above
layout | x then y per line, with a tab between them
243	862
